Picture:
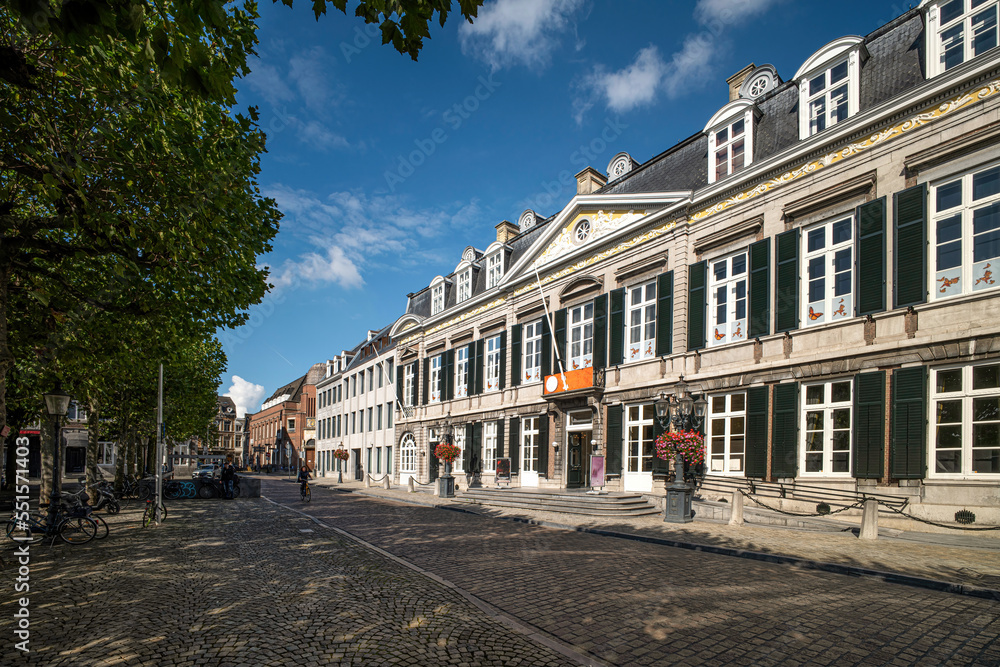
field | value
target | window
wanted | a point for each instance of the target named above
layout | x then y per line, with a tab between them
727	315
354	423
408	385
388	460
827	97
379	373
378	417
729	150
492	364
826	427
435	379
965	412
354	385
641	321
437	299
581	336
458	439
388	415
462	372
828	255
727	433
960	30
371	378
339	425
371	419
965	233
291	426
489	446
529	444
408	453
464	285
494	269
361	420
388	371
106	453
639	427
378	460
532	351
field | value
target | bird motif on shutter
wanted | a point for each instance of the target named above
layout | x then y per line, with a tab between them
987	276
813	315
946	283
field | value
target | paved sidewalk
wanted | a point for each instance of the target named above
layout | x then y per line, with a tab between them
965	558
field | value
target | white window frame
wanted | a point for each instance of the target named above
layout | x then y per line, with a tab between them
531	344
462	372
640	448
832	307
580	336
408	379
434	381
640	321
725	439
107	451
936	31
967	396
849	50
437	299
489	446
828	407
491	364
737	111
458	439
464	286
728	298
494	269
529	444
981	275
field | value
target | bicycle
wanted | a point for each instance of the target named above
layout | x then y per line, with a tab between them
149	514
72	527
305	493
213	488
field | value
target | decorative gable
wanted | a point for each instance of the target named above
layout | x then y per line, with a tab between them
585	228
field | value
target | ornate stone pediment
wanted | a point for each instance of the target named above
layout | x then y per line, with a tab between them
587	228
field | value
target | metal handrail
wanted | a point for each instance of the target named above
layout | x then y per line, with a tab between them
796	491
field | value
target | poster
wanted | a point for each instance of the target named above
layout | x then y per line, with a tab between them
596	471
503	470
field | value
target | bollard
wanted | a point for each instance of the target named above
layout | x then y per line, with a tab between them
368	481
736	517
869	521
385	483
410	486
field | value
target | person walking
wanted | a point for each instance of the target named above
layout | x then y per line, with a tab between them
228	473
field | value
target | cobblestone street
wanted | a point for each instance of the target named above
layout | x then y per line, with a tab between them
254	583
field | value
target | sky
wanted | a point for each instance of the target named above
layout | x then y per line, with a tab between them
386	169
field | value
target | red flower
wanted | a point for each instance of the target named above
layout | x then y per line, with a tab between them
447	452
689	444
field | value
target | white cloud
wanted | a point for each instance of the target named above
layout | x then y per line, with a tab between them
517	32
727	12
632	86
318	135
246	395
270	84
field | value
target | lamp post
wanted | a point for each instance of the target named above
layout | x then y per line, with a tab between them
56	404
685	414
446	483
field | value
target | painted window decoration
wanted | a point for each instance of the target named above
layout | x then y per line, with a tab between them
529	444
728	300
965	412
462	372
827	100
494	269
829	262
464	285
458	439
408	386
639	444
826	428
435	383
437	299
532	352
489	446
581	336
492	364
966	29
730	144
965	232
641	321
727	433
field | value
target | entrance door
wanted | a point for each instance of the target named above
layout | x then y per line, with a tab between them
359	473
578	456
76	459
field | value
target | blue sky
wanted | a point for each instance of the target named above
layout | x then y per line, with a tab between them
385	169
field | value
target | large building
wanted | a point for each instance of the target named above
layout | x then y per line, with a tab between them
817	263
280	431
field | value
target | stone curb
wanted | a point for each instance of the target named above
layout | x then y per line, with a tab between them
795	561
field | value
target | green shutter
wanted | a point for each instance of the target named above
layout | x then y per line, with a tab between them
909	274
760	289
908	443
503	359
665	314
784	448
399	391
427	376
416	383
616	320
546	349
696	305
477	447
871	257
477	361
500	442
786	287
515	355
660	466
470	433
543	445
560	336
601	332
449	374
470	375
515	444
613	445
756	433
869	426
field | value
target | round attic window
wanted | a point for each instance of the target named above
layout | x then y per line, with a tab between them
527	220
762	80
581	232
620	165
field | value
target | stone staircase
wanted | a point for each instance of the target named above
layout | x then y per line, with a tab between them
569	502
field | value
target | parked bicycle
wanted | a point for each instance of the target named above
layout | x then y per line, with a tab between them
213	488
74	526
149	514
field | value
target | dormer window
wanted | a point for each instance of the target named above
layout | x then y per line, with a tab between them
464	285
829	86
730	139
730	143
437	295
958	31
494	269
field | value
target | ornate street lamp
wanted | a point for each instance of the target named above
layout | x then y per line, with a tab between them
56	404
446	483
684	413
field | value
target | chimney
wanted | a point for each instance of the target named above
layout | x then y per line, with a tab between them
736	80
506	230
589	180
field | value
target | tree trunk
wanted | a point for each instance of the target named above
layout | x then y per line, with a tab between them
93	441
6	357
46	437
133	451
151	456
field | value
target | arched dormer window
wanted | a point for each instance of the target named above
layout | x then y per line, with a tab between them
437	295
830	85
958	31
494	264
463	280
730	139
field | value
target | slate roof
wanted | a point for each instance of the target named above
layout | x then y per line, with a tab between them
293	389
363	353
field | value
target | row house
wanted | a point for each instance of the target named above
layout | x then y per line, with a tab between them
356	409
280	431
816	263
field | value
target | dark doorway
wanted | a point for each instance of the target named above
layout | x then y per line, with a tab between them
432	466
359	471
76	459
577	455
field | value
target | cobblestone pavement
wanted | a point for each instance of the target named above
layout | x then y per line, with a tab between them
633	603
239	583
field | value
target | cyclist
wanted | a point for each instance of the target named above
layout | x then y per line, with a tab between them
303	480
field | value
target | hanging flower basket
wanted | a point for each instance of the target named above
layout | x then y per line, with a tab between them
447	452
689	444
341	454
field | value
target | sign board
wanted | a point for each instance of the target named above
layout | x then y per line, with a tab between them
503	470
596	470
582	378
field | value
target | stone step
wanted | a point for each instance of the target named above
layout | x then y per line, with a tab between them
603	499
569	503
610	510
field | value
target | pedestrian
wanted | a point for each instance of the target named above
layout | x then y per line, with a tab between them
228	473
